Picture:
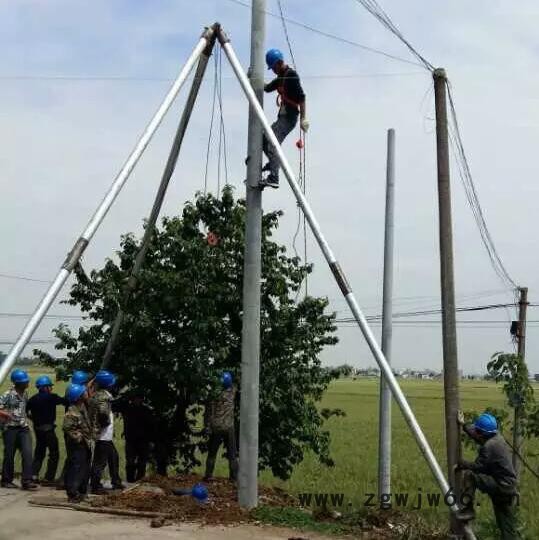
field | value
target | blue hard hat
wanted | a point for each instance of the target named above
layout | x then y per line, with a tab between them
486	423
273	56
105	378
74	392
18	376
199	492
226	379
42	381
80	377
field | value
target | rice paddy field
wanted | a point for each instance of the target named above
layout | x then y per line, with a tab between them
355	448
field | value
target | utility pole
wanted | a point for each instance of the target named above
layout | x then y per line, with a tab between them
521	341
447	281
252	273
384	425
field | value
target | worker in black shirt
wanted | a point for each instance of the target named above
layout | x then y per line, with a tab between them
139	430
41	409
291	101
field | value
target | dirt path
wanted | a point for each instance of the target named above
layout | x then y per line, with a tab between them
19	520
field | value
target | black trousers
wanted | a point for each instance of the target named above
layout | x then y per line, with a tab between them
105	453
77	474
46	440
17	438
228	438
137	454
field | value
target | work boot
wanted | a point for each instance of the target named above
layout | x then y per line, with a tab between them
9	485
98	490
118	487
29	486
75	499
270	181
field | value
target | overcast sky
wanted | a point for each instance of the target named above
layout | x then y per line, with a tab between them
80	80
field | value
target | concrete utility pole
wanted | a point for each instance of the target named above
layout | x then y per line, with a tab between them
384	426
447	278
521	340
252	273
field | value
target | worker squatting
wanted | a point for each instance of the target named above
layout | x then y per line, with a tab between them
88	429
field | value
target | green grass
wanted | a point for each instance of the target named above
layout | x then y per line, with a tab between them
355	447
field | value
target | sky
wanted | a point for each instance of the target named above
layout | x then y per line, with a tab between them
79	81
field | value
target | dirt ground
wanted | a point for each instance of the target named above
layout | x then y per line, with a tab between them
20	520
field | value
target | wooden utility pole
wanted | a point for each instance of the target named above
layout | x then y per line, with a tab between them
447	280
521	342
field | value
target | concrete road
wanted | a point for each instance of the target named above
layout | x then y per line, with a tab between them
21	521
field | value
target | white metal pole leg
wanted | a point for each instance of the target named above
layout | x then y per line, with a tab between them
80	245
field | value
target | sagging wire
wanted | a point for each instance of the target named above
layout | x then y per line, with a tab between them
222	152
376	11
302	176
210	134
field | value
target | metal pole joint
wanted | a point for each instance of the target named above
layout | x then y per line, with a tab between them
75	254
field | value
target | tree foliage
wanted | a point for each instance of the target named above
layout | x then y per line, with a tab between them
512	371
183	327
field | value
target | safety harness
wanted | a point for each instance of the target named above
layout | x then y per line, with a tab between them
283	98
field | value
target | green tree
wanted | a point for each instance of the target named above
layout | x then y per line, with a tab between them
183	327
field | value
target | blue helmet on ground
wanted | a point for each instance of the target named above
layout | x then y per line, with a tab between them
199	492
80	377
19	376
226	379
74	392
42	381
273	56
486	423
105	379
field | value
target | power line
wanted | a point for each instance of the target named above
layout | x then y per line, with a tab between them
376	10
329	35
471	195
285	29
31	342
47	316
24	278
435	312
104	78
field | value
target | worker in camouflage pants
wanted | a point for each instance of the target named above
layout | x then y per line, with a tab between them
219	424
79	433
492	473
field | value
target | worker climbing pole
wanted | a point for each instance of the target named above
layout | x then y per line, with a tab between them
291	102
